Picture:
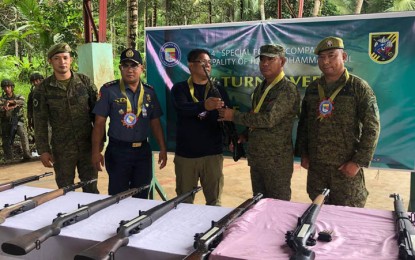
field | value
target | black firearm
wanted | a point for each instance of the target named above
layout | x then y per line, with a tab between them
405	230
206	242
228	127
106	249
33	202
305	230
11	184
24	244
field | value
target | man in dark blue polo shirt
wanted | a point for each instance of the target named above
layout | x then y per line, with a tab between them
133	109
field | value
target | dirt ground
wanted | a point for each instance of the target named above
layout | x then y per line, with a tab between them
237	189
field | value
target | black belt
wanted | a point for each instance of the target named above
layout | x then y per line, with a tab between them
127	144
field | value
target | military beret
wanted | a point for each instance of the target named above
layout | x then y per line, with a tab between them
131	55
7	82
329	43
58	48
271	50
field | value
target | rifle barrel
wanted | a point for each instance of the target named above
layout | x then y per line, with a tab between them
106	249
12	184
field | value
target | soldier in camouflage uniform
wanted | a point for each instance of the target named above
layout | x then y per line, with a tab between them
35	80
338	129
11	112
65	100
275	104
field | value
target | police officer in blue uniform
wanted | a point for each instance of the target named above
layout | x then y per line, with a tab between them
133	109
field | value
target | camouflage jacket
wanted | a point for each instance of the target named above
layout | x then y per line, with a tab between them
6	116
270	131
350	133
68	111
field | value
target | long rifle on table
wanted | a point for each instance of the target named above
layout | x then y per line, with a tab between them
305	230
106	249
206	242
11	184
24	244
405	230
228	127
32	202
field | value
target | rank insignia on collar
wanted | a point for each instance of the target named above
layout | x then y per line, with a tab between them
121	112
148	97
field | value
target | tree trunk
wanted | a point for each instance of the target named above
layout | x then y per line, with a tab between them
132	23
154	16
316	9
358	8
262	9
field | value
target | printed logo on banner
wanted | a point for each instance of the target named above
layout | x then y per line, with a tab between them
170	54
383	46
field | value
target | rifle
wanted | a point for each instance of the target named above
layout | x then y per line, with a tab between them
228	127
206	242
33	202
15	123
11	184
305	230
26	243
405	229
106	249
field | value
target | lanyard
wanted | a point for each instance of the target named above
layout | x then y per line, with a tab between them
139	101
333	96
273	83
192	90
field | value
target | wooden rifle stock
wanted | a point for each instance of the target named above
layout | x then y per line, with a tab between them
304	232
11	184
32	202
24	244
206	242
106	249
405	230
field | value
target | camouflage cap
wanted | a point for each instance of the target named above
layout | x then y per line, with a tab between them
58	48
7	82
131	55
271	50
328	43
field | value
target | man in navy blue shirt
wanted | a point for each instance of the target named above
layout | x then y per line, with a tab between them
199	136
133	109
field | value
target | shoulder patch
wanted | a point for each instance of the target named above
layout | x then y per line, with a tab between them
148	86
108	84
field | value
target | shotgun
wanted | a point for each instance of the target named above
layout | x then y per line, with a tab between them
22	245
33	202
11	184
106	249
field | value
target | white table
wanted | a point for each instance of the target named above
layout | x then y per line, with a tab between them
170	237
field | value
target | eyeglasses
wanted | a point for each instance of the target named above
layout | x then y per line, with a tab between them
133	66
204	62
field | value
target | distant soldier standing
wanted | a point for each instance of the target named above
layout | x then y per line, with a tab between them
275	104
35	80
12	120
338	129
65	100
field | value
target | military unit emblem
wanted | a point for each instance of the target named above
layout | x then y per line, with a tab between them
325	108
383	46
170	54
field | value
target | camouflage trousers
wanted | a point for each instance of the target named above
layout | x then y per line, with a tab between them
271	178
344	191
70	159
208	169
6	138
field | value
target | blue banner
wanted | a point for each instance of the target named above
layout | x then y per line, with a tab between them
380	50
